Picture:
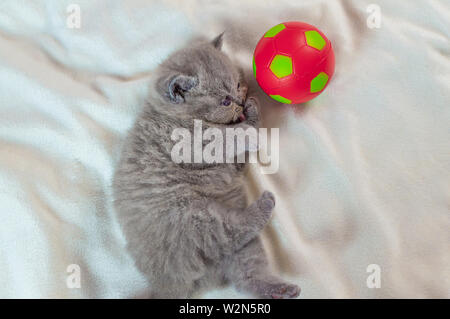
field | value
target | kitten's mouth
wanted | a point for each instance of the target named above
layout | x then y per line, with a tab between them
241	118
238	116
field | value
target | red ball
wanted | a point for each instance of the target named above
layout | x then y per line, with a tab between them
293	62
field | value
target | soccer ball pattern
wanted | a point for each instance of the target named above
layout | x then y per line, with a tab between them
293	62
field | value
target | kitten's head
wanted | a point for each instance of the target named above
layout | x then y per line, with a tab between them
200	82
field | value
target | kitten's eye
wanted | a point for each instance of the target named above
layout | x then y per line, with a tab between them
227	100
239	85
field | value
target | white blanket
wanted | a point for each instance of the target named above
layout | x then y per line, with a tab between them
364	174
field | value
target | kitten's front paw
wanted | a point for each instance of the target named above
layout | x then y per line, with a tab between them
242	92
251	111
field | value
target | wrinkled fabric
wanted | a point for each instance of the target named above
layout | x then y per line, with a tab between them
364	168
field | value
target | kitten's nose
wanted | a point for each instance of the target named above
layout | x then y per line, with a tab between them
237	109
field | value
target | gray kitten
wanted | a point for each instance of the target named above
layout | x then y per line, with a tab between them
188	226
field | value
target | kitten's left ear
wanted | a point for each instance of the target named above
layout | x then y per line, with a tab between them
178	86
218	41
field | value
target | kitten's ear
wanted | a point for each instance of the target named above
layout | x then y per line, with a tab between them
218	41
178	85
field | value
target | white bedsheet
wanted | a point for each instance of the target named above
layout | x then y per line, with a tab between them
364	173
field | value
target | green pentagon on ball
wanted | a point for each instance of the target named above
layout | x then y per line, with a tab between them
319	82
281	66
315	40
274	30
281	99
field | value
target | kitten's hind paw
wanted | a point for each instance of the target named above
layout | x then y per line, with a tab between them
269	287
284	291
267	201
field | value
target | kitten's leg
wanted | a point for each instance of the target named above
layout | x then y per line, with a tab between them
208	232
165	288
245	225
218	230
248	270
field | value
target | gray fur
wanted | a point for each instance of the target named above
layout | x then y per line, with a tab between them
188	226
